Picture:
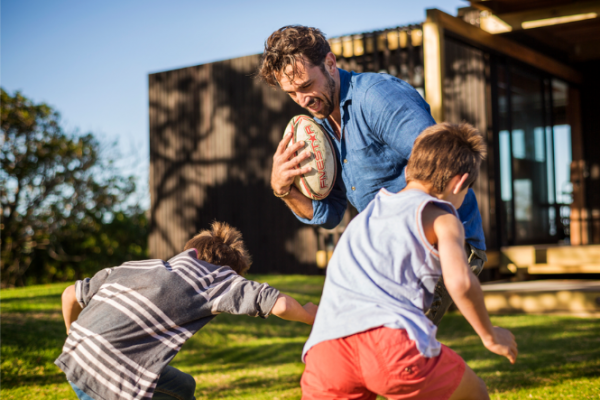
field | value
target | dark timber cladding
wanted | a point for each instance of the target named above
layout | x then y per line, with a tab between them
466	91
213	131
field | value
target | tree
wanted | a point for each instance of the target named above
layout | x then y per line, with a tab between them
62	199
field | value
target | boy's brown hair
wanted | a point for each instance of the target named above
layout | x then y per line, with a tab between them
287	45
221	245
443	151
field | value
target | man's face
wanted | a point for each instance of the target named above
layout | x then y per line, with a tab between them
313	88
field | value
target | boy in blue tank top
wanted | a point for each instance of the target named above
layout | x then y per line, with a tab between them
371	335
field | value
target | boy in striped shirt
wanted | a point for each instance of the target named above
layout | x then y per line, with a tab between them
127	323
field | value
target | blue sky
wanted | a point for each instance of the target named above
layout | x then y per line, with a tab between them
91	59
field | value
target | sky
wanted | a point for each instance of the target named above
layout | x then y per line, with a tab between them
90	60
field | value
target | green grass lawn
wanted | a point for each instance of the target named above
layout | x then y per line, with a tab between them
249	358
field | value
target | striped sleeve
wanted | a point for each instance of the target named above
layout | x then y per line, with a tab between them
88	287
242	296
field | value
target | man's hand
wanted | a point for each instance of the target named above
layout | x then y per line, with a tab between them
285	167
502	343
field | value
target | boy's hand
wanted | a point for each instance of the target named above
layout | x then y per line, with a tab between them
311	309
503	343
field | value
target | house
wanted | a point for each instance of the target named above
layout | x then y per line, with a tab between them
524	73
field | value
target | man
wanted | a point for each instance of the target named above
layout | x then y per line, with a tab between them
373	120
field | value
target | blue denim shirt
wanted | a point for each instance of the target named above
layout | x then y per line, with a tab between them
381	118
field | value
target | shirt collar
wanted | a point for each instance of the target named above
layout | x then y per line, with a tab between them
345	86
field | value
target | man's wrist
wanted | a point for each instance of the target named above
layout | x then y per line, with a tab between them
282	192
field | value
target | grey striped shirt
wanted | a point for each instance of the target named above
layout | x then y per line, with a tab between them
136	317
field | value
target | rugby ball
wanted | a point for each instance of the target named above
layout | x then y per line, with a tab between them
317	183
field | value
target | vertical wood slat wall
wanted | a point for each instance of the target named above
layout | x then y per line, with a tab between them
466	98
213	132
396	51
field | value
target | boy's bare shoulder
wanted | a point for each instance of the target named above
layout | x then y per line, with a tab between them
438	222
434	210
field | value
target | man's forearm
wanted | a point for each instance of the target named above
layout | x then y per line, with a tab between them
299	203
70	307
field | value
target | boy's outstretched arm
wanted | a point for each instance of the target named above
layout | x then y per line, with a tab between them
288	308
464	288
70	307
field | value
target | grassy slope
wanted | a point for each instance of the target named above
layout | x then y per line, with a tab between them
242	357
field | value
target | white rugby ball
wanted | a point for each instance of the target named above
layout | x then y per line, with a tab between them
317	183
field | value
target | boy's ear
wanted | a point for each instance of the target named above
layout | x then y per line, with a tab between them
458	186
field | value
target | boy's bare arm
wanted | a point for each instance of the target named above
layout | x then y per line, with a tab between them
465	290
70	307
288	308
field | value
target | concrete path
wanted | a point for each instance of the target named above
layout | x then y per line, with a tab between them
573	297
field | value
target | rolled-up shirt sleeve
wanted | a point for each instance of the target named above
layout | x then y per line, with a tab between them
246	297
329	212
88	287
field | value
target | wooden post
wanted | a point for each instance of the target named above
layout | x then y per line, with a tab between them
579	214
579	226
433	63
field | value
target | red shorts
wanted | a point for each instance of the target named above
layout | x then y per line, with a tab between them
380	361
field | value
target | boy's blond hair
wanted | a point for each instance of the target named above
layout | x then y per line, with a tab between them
221	245
443	151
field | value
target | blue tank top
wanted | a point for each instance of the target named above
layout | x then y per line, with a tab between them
383	273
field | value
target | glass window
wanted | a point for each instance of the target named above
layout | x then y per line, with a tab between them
562	156
505	175
534	144
518	138
505	149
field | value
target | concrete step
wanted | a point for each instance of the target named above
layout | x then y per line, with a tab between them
546	259
573	297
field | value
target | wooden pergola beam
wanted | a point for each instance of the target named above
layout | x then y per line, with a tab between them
438	22
516	19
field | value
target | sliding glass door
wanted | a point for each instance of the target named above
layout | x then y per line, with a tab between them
533	142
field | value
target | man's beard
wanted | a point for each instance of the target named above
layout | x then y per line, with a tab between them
327	100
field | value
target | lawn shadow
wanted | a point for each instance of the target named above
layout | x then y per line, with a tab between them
42	303
261	328
244	385
241	356
29	347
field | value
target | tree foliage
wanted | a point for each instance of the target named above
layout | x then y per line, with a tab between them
63	212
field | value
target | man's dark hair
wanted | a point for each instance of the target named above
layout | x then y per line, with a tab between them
443	151
287	45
